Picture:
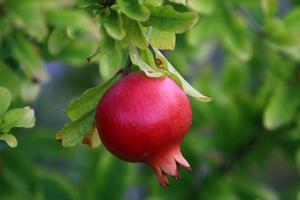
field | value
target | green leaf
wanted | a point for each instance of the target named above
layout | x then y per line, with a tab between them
134	10
86	3
5	99
137	60
89	100
202	6
154	2
291	20
73	132
147	57
19	117
58	40
179	1
166	18
77	51
162	39
110	64
270	7
26	54
278	33
72	18
113	25
235	36
106	43
9	139
282	106
184	84
29	16
135	33
10	80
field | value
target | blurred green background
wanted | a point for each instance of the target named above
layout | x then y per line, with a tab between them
245	144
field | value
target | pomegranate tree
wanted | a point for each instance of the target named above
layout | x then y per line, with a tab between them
143	119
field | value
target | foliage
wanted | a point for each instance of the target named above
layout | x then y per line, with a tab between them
244	54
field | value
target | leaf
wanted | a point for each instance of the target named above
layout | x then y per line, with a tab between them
291	20
106	43
58	40
134	10
86	3
162	39
179	1
135	33
89	100
137	60
77	51
166	18
26	54
202	6
10	80
110	64
113	25
73	132
278	34
270	7
29	91
29	16
5	99
19	117
9	139
74	19
235	36
147	57
92	138
282	106
184	84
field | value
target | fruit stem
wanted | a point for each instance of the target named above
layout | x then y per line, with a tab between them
127	68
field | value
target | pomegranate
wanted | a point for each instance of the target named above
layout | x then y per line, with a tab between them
142	119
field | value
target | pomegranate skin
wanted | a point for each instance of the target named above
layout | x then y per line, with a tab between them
142	119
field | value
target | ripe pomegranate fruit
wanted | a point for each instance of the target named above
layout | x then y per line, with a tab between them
142	119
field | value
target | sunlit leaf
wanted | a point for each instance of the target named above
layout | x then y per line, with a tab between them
202	6
75	19
162	39
134	10
58	40
27	55
113	24
10	80
9	139
179	1
137	60
29	16
19	117
73	132
5	99
166	18
89	100
135	33
282	106
185	85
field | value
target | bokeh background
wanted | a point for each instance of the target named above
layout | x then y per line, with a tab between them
245	144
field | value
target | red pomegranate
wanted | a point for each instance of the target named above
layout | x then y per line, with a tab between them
142	119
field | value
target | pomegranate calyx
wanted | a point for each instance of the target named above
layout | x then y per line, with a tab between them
167	163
